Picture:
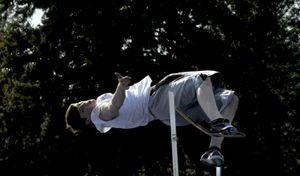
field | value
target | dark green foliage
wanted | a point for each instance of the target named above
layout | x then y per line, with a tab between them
74	54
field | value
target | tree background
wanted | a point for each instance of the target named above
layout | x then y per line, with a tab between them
72	56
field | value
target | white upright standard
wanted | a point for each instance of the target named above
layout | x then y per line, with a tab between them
174	137
173	134
218	171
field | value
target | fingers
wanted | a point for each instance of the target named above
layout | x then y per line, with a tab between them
124	81
119	76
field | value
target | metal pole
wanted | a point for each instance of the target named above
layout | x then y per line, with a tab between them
173	134
218	171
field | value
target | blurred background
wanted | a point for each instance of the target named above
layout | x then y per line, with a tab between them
55	52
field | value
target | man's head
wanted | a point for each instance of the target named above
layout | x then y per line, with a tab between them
78	115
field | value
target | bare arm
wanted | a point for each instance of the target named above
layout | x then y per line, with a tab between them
110	109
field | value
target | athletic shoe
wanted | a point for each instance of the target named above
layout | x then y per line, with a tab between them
212	157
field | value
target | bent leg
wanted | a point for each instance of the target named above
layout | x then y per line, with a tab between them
228	113
206	100
213	156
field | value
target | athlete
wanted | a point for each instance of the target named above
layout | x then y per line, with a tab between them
199	94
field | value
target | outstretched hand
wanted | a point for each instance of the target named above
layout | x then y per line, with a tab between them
124	81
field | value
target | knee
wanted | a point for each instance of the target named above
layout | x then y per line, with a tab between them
230	110
235	100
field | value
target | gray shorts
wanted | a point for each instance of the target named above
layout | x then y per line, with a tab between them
185	98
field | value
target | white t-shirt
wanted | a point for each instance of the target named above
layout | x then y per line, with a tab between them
134	111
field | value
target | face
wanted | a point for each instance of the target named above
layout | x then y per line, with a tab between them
85	108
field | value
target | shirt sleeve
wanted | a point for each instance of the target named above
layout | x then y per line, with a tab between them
105	109
108	111
99	124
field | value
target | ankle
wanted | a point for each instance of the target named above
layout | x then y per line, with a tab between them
214	147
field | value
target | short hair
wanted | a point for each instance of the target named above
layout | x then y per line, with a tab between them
73	120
